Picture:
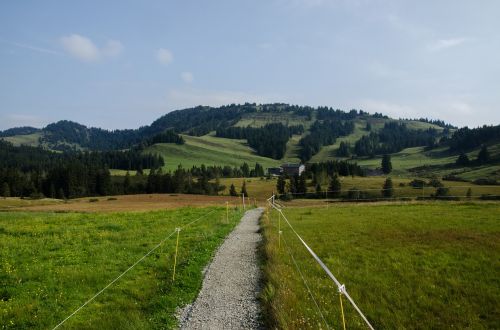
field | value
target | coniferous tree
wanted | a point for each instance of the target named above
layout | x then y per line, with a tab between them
335	187
245	169
259	170
469	193
232	190
344	149
126	183
5	190
462	159
388	189
386	164
281	185
244	189
484	155
301	184
319	192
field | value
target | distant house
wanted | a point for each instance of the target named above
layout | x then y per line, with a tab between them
293	169
275	171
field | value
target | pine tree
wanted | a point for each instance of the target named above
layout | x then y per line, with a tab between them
5	190
232	190
386	164
462	159
244	189
126	183
281	185
388	190
335	187
301	184
319	193
484	155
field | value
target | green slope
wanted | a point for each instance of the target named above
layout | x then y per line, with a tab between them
209	150
32	140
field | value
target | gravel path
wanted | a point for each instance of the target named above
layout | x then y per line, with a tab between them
228	298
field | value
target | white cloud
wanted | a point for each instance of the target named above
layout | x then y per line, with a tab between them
187	77
84	49
113	48
164	56
443	44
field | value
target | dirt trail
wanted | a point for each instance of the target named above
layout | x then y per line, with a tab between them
228	299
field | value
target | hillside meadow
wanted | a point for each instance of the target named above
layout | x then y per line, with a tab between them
51	263
407	266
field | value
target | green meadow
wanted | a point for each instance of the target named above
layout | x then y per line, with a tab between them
209	150
407	266
51	263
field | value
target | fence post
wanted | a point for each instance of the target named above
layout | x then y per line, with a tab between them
176	251
243	199
227	212
279	230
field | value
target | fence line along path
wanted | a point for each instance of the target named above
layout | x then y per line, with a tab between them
229	296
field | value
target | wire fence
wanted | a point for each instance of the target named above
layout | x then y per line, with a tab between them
341	287
355	194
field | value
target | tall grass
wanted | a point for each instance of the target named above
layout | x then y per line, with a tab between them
415	266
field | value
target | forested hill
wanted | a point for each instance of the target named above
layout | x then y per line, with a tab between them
198	121
276	131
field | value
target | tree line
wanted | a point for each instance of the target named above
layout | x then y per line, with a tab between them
394	137
268	141
322	134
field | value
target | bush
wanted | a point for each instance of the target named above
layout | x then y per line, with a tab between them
93	200
417	183
486	182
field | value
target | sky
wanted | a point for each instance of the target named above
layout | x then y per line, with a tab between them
122	64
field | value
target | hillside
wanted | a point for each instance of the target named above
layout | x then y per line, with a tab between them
271	134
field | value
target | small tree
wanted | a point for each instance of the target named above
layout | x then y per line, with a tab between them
354	193
335	186
386	164
126	183
462	160
484	155
344	149
5	190
301	184
232	190
281	185
318	191
388	190
469	193
368	126
244	189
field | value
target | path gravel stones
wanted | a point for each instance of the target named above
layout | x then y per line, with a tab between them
229	296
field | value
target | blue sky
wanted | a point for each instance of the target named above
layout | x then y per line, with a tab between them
122	64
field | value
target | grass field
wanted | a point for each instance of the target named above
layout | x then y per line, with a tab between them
51	263
28	139
261	119
209	150
120	203
407	266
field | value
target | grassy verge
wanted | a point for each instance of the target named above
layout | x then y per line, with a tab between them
52	263
432	265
